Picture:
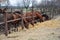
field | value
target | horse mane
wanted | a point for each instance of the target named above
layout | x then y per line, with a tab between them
17	12
37	12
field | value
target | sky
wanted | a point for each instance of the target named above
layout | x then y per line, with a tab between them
20	2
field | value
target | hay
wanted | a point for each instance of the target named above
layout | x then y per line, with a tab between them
51	23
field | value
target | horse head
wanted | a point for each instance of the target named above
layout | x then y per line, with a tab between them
3	10
45	16
0	10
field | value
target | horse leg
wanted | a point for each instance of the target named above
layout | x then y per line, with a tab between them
40	17
41	20
9	28
32	23
17	26
16	29
26	25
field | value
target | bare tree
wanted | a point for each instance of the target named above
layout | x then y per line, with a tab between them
2	0
26	3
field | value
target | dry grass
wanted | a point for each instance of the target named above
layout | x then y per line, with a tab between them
51	24
48	30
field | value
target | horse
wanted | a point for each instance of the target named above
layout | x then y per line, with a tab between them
26	21
15	15
30	19
11	16
46	17
20	15
37	15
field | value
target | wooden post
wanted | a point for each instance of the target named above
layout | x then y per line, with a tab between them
6	27
32	15
22	23
11	10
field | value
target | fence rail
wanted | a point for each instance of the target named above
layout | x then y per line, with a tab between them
6	22
15	20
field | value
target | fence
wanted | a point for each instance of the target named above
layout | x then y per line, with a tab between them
47	11
6	22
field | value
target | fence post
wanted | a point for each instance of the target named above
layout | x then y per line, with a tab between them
22	23
32	15
6	27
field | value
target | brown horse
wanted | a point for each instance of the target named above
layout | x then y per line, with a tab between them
11	16
30	20
17	14
27	17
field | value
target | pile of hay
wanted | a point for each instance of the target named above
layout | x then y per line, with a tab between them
50	23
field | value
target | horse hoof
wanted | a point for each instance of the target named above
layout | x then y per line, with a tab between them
9	32
27	27
16	30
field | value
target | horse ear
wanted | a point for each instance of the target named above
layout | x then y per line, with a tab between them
4	9
0	10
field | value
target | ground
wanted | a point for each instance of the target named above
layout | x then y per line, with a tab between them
48	30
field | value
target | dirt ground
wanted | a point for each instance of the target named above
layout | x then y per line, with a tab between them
48	30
